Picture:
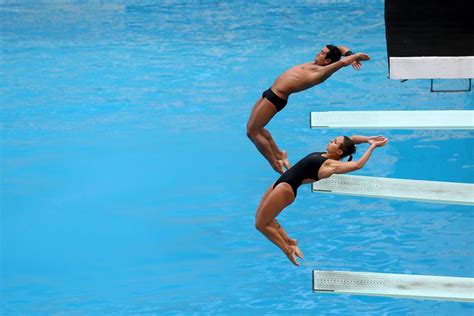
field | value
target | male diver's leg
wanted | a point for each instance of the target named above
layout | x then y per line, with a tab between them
278	198
280	154
262	113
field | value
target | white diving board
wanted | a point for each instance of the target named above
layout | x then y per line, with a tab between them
391	188
432	67
448	119
394	285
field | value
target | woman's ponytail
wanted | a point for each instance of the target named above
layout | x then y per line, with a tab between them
348	148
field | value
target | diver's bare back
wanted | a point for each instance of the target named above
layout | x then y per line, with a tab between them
299	78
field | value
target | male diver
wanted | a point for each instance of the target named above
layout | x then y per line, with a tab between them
295	79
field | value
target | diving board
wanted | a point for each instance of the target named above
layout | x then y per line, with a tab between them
448	119
394	285
391	188
432	67
429	39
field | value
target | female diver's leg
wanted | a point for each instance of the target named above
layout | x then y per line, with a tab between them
290	241
281	230
264	197
277	225
276	200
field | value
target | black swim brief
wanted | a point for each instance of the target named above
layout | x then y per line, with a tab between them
278	102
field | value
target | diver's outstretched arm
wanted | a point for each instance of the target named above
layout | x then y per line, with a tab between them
359	139
338	167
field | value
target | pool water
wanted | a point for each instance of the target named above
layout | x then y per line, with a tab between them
128	185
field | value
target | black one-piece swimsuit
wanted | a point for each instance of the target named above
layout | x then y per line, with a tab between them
306	168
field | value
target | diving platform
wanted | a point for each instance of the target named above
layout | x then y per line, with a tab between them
392	188
447	119
394	285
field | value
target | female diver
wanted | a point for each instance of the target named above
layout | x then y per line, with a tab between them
311	168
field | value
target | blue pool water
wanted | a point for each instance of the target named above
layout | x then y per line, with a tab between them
128	185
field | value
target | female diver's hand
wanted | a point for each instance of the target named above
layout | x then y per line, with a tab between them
378	141
371	139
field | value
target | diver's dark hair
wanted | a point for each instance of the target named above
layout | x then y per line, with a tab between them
348	148
334	54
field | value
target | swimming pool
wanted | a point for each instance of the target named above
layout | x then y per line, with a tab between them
129	185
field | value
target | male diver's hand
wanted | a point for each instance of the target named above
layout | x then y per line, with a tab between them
355	60
361	56
357	65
